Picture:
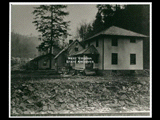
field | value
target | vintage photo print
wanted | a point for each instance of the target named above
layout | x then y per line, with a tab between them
80	59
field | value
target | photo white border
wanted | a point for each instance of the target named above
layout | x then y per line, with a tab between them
84	3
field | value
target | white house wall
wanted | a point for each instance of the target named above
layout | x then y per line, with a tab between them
124	49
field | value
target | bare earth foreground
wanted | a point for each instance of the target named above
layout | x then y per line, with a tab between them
78	94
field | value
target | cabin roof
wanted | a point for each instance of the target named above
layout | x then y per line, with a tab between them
117	31
42	56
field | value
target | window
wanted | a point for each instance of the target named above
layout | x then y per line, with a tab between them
97	43
114	58
132	59
132	40
114	42
76	49
45	63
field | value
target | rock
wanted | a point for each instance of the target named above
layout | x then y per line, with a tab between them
122	103
123	97
63	106
139	85
129	103
30	88
26	112
90	108
25	97
129	89
14	111
70	106
51	101
114	105
45	108
60	100
19	91
122	91
52	107
30	101
70	91
123	87
23	105
105	89
132	100
87	92
115	101
32	112
19	111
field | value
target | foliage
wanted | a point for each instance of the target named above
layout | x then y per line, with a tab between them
132	17
23	46
49	21
83	30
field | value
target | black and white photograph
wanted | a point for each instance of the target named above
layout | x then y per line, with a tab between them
80	59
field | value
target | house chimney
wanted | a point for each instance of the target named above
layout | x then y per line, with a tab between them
70	41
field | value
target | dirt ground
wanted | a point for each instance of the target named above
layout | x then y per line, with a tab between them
59	94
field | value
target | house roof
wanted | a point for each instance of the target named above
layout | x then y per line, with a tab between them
117	31
90	50
42	56
67	47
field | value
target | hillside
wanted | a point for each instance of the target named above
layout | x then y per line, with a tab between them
24	46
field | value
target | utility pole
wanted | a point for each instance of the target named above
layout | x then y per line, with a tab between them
51	37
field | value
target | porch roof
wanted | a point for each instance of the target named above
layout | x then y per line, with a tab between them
90	50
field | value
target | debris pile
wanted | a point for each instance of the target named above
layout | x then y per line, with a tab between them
60	96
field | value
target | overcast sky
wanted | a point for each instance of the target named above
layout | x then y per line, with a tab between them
22	17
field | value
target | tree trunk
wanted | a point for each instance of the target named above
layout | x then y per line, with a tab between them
51	37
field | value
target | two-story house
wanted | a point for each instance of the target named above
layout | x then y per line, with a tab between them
114	49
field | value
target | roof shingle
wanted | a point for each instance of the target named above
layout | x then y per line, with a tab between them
117	31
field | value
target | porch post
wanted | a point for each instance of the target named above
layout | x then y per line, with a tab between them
84	61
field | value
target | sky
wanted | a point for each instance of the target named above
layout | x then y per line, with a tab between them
22	17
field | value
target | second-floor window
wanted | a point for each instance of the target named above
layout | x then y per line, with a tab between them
114	42
132	40
76	48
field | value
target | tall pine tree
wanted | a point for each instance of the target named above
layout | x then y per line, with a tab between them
49	21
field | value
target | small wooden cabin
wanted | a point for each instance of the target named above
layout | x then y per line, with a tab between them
43	62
